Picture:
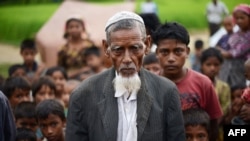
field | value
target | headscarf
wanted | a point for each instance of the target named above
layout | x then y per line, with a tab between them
242	7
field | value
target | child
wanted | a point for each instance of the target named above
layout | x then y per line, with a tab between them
151	63
43	88
228	24
59	75
25	116
17	90
195	57
70	56
16	70
69	86
195	89
94	59
25	134
51	119
28	52
211	60
197	124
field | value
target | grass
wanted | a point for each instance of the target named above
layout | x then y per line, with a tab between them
190	13
23	21
4	69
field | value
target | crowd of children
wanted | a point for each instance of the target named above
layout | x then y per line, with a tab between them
213	92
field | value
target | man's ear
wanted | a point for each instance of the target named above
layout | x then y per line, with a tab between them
148	44
106	49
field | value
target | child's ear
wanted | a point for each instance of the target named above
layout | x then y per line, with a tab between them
187	51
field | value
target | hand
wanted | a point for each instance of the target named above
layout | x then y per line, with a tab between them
245	112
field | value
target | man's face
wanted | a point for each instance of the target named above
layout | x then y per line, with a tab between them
52	127
29	123
172	55
126	50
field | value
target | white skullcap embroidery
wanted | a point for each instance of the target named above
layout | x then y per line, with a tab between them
122	16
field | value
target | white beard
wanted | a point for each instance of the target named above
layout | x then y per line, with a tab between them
129	84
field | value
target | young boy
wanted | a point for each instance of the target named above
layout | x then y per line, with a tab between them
17	90
28	52
25	116
51	119
151	63
197	124
196	90
16	70
94	59
195	57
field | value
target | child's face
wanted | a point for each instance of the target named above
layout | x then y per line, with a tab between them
211	67
93	61
18	96
52	127
172	55
228	24
74	29
196	133
29	123
68	88
19	72
236	94
154	68
242	20
28	55
59	80
44	93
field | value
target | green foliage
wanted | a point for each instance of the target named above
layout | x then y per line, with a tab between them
191	13
23	21
4	70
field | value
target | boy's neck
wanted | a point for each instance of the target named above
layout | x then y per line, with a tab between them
177	77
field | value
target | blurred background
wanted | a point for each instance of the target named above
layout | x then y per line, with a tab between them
20	19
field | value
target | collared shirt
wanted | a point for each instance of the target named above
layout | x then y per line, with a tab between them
127	106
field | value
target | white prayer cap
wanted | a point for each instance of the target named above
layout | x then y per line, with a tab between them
122	16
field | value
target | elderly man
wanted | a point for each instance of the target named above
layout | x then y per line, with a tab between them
125	102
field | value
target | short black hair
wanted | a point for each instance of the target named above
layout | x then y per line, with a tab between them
198	44
51	70
150	59
93	50
70	20
25	110
14	67
50	106
25	134
211	52
28	44
151	21
171	30
44	80
196	116
13	83
238	86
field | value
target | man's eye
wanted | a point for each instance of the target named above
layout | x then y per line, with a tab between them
178	51
117	50
164	51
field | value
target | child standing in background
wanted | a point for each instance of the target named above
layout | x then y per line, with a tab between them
17	90
152	64
197	124
42	89
196	56
211	60
28	52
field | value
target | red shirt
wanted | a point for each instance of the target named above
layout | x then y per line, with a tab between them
197	90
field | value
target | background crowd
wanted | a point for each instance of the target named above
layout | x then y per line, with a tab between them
38	96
